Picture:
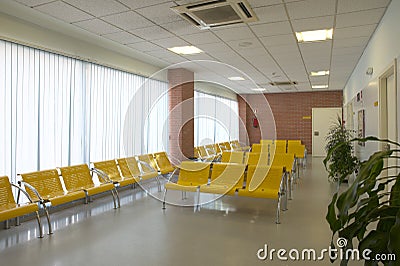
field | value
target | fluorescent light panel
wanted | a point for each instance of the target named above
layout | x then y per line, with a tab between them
185	50
314	35
319	86
319	73
236	78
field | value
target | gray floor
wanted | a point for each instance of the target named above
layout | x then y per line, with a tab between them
228	231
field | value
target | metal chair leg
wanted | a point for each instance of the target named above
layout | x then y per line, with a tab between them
278	210
165	195
197	208
39	224
48	218
7	224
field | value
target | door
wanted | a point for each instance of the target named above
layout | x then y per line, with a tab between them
322	120
388	114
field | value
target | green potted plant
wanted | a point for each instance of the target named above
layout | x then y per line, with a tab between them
369	210
339	162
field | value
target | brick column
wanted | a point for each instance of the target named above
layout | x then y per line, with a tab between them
181	112
242	106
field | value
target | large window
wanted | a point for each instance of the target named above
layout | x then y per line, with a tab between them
59	111
216	119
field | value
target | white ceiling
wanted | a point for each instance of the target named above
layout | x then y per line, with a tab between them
265	50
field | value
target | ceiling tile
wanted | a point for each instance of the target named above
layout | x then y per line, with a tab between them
345	6
270	29
144	46
64	12
97	26
160	14
268	14
232	34
152	33
215	47
316	23
283	49
201	56
259	3
134	4
347	50
128	20
201	38
278	40
181	28
170	42
32	3
161	53
358	31
123	37
319	80
349	42
311	8
316	49
359	18
98	8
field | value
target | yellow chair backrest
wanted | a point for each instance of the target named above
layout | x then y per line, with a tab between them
76	177
196	152
297	150
228	173
6	195
210	149
227	145
203	152
265	141
148	159
294	142
110	168
256	158
232	157
164	164
217	148
283	160
193	173
264	177
46	182
278	147
129	167
256	147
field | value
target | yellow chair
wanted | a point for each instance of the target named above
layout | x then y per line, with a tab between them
226	178
129	168
256	158
148	167
191	176
78	178
294	142
287	162
110	169
9	209
266	141
45	187
256	147
196	152
217	148
278	147
232	157
265	182
163	163
300	154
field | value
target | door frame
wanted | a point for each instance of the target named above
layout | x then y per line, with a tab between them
383	117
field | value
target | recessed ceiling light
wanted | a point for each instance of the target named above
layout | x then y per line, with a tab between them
319	73
319	86
185	50
236	78
259	89
314	35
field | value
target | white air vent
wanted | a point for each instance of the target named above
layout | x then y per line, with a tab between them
216	13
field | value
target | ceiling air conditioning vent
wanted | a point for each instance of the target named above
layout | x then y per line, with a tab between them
283	83
217	13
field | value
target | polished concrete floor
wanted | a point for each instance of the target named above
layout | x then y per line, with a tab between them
227	231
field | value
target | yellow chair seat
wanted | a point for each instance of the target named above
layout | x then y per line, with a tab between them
217	189
93	189
259	193
126	181
175	186
167	170
146	176
12	210
58	198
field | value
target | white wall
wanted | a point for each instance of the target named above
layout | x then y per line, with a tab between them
46	33
382	50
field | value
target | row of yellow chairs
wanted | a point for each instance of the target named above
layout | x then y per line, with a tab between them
45	188
212	152
247	179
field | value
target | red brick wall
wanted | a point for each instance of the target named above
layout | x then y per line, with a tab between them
289	109
181	112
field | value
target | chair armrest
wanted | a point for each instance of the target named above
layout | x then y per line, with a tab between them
147	165
26	193
102	175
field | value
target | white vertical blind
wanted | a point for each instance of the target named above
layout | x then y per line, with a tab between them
58	111
216	119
